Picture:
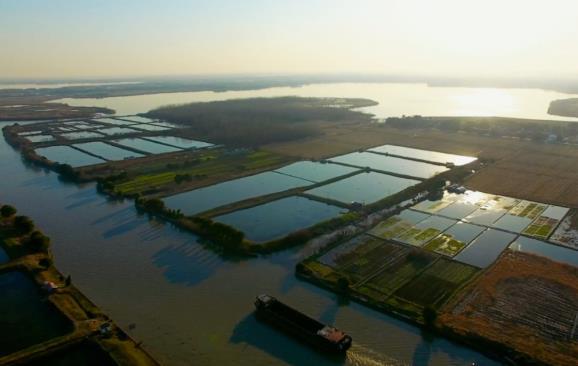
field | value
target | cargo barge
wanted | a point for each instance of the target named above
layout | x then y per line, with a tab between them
301	326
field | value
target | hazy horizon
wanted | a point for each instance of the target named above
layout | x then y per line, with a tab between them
82	39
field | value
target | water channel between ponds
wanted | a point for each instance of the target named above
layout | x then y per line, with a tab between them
190	306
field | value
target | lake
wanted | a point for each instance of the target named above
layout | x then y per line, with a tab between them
395	99
189	305
364	188
276	219
206	198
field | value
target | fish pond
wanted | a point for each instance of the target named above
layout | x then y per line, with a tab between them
315	172
433	156
40	138
112	131
390	164
181	143
147	127
206	198
81	135
68	155
484	250
107	151
146	146
553	252
512	223
364	187
276	219
26	317
425	230
116	122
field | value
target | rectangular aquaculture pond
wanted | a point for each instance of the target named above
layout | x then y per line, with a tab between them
180	142
107	151
138	119
364	188
512	223
81	135
390	164
425	230
553	252
458	210
146	146
116	122
484	250
206	198
113	131
147	127
276	219
398	224
68	155
315	172
456	238
40	138
433	156
26	317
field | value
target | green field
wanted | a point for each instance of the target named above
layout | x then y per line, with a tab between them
211	164
399	269
437	283
362	265
528	209
416	236
445	244
542	227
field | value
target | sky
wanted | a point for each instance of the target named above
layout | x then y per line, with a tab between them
117	38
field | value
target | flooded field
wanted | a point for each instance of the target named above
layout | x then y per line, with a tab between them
484	250
138	119
206	198
364	187
425	230
107	151
26	317
397	225
553	252
315	172
456	238
68	155
276	219
433	156
146	146
180	142
390	164
113	121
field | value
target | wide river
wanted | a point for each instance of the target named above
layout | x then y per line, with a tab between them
187	305
394	99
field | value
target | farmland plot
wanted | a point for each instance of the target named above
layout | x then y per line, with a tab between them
398	224
454	239
425	230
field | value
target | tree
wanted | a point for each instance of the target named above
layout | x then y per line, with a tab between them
38	241
154	205
23	224
343	284
7	211
429	316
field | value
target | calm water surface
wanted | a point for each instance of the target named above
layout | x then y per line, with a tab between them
395	99
107	151
486	248
68	155
189	305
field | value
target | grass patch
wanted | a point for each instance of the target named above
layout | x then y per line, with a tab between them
445	244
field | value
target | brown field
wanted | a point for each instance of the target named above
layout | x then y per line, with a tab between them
526	302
